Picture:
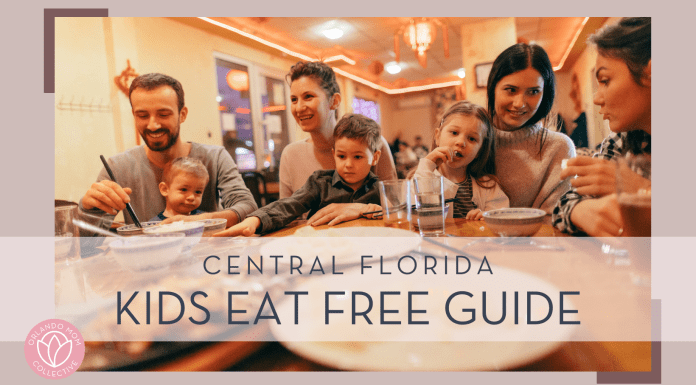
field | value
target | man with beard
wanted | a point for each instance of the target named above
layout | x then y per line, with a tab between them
158	107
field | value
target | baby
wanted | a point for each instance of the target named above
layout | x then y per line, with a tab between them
331	196
183	182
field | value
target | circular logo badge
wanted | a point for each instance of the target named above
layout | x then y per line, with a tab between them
54	349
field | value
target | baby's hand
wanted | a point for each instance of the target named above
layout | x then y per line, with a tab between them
440	155
474	215
246	228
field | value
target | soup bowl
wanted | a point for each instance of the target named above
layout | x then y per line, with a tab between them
514	222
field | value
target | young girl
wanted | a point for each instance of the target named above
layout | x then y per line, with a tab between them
463	152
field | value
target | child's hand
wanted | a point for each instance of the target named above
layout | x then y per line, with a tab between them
336	213
474	215
371	208
440	155
246	228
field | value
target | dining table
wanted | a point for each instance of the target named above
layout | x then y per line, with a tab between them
599	271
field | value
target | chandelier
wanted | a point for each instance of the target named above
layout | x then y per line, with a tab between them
420	35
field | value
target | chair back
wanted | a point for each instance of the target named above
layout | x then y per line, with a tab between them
254	179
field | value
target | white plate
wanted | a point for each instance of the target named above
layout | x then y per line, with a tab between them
439	346
347	245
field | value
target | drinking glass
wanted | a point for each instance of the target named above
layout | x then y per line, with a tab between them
430	205
395	197
67	241
633	193
69	281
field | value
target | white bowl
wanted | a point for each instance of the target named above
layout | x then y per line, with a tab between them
514	222
192	230
213	226
145	253
131	230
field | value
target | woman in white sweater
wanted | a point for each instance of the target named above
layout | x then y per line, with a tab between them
521	89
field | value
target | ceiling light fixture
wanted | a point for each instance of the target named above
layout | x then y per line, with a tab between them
419	35
333	33
393	68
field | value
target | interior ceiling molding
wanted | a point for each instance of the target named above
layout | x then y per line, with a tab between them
388	88
571	45
260	33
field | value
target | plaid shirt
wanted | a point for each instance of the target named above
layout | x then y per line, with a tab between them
613	147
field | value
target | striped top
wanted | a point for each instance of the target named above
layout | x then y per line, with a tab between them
463	201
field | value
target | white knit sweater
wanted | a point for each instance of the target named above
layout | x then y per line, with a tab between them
528	177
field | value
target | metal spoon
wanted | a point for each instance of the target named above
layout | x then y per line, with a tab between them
95	229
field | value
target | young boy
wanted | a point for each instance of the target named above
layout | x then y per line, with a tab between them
183	182
352	185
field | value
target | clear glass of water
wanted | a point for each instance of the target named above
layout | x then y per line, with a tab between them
395	197
430	205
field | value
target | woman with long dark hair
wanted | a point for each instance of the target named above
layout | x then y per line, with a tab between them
623	72
521	90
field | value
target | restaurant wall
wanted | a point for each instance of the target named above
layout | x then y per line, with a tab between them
90	52
410	115
563	104
482	42
82	133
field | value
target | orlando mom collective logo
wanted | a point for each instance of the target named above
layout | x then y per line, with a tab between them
54	349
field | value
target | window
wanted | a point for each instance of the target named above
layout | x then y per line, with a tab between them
254	113
234	104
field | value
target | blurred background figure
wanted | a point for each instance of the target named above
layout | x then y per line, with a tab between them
577	131
406	159
237	147
419	148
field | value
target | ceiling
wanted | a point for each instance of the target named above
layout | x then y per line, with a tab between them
367	40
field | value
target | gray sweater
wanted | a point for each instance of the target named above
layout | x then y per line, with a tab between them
225	189
528	177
